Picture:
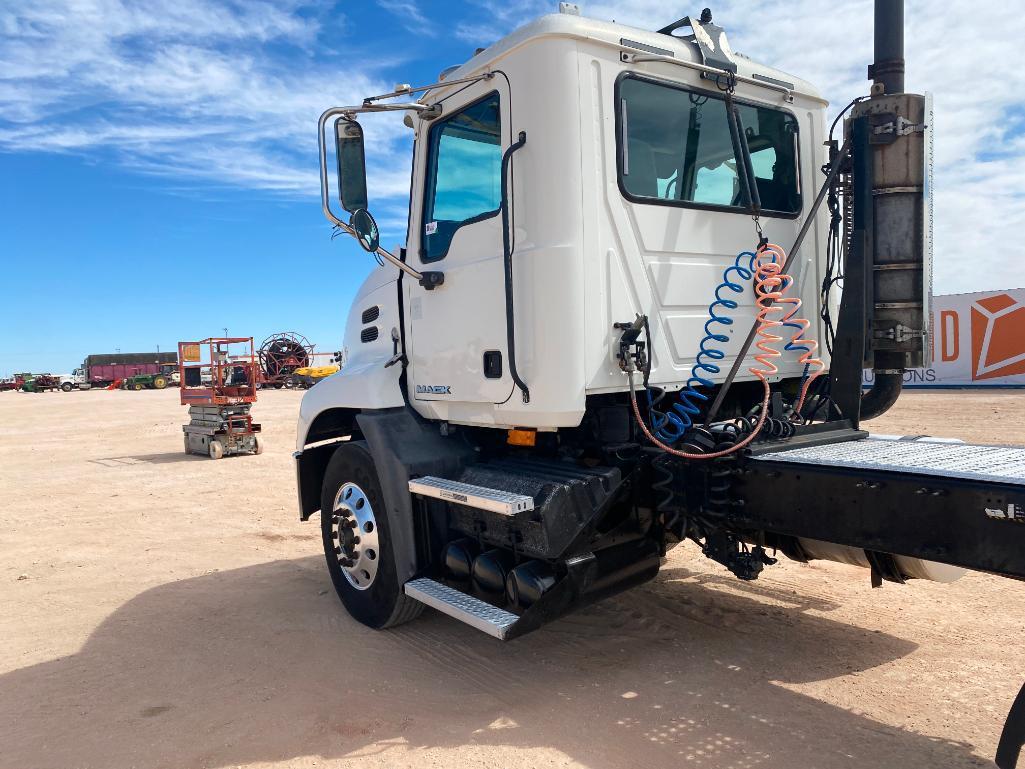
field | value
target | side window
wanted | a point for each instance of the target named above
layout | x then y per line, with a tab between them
772	138
464	174
676	148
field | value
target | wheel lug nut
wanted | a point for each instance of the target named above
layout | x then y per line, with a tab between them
355	540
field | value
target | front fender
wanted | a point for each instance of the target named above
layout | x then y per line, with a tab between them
328	413
329	407
360	386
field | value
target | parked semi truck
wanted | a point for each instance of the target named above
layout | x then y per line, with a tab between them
615	327
105	369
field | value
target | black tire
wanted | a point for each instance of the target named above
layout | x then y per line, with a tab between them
159	382
67	387
382	604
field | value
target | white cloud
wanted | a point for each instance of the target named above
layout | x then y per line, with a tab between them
410	15
223	91
229	91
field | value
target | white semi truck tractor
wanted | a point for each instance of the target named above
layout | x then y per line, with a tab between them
616	325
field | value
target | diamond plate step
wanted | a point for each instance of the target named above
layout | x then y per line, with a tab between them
1000	464
495	500
465	608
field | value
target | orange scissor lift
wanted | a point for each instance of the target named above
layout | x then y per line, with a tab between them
219	387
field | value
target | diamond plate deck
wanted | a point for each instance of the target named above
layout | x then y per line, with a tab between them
465	608
1001	464
482	498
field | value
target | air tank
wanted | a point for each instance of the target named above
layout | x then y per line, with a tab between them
458	558
528	582
490	570
913	568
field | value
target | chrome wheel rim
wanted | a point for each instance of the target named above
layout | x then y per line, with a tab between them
355	535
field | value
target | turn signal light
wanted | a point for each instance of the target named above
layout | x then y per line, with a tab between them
522	437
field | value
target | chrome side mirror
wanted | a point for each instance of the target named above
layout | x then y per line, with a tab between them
352	165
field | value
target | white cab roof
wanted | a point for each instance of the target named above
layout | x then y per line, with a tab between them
610	33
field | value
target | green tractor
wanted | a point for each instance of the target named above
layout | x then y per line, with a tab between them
168	375
40	383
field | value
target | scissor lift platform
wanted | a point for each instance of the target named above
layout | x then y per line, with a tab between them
219	390
220	431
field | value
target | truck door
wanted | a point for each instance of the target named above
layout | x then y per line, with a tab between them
458	333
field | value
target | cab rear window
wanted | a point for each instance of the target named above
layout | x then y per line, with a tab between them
675	149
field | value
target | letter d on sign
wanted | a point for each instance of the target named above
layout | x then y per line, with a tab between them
951	332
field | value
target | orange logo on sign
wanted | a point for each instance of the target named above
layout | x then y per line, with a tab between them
998	337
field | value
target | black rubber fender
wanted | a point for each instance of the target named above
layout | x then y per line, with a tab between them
406	446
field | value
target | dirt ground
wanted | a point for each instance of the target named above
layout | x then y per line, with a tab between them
164	610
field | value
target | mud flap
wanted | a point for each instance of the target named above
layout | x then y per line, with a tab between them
1012	738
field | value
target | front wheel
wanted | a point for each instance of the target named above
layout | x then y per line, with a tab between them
355	529
67	387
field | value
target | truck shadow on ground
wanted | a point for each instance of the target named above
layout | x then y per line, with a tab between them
261	664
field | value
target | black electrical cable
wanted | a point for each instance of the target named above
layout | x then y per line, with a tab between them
843	112
834	269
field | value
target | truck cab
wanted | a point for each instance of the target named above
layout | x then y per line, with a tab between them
76	380
613	315
623	198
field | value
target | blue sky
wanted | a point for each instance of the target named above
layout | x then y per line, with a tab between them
158	157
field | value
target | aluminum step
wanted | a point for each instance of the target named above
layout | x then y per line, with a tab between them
495	500
924	456
465	608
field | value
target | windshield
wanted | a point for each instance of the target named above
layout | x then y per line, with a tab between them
675	148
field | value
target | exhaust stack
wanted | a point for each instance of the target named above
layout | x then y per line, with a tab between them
887	71
890	256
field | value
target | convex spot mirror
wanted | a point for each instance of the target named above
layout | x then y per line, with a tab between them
352	165
365	227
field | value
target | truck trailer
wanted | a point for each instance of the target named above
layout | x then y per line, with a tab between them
105	369
617	325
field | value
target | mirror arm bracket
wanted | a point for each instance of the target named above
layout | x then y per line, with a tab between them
407	90
431	280
431	113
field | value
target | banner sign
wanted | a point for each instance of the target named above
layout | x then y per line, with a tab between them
978	340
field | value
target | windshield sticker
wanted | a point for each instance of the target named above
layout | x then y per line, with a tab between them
431	228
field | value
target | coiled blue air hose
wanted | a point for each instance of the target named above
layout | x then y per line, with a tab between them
671	425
